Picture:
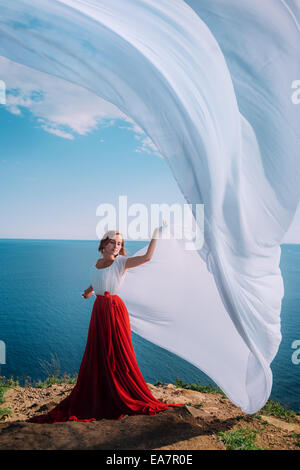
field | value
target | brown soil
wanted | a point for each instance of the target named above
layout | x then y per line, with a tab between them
193	427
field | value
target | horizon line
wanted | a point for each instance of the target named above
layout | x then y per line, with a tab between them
98	239
66	239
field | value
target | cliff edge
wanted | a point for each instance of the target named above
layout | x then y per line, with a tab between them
209	421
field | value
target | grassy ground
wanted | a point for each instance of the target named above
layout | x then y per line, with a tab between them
234	429
271	408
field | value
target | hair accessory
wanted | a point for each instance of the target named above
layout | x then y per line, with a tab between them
109	234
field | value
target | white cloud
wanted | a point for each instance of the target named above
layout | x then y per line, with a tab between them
59	132
61	108
14	109
146	146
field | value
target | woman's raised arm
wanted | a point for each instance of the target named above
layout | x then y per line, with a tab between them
137	260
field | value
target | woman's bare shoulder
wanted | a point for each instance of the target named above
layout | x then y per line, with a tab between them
99	263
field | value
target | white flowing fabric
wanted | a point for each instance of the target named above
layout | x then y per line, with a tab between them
210	82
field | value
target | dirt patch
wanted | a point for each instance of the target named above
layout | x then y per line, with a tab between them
193	427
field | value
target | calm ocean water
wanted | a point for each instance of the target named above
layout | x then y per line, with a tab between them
44	320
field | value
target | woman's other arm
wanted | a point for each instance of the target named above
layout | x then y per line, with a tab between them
88	292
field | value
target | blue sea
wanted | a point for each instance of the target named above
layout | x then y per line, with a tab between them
44	320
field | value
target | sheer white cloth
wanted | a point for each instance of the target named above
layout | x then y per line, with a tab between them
110	278
210	83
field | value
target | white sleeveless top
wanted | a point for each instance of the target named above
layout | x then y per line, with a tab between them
109	278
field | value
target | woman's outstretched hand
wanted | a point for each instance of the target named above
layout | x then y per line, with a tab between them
159	229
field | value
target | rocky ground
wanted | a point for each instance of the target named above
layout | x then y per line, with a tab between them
193	427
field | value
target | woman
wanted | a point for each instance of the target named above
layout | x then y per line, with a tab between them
110	384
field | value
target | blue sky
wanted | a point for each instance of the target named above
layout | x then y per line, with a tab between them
64	152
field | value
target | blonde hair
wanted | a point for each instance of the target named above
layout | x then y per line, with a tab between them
109	235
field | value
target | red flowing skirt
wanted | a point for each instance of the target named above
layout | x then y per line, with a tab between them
110	384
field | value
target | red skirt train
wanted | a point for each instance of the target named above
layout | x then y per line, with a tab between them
110	384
